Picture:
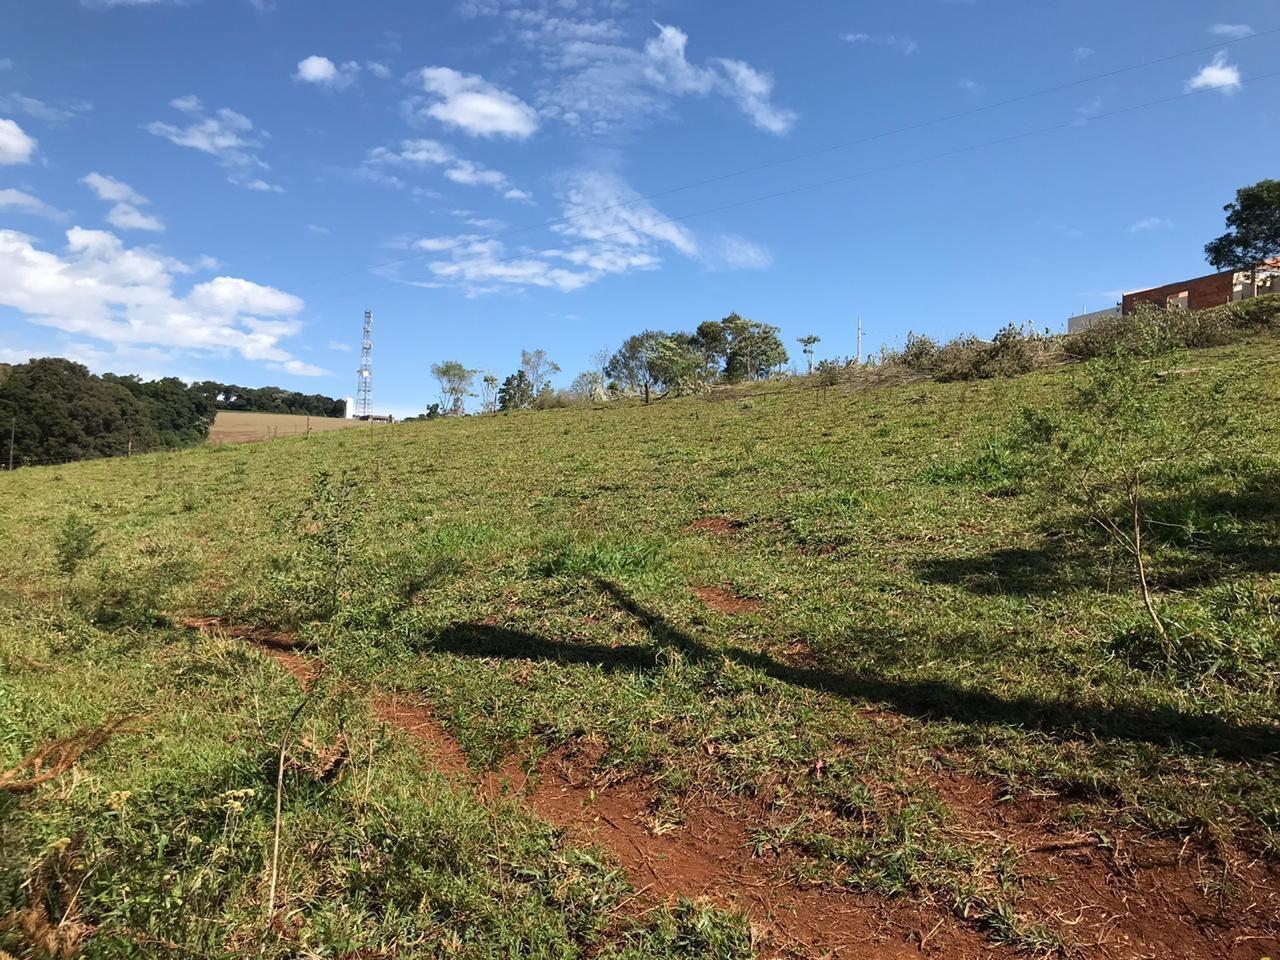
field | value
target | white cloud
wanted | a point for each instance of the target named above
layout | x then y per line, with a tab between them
323	72
548	27
424	154
666	67
300	369
1218	74
904	44
752	90
602	86
482	267
1150	223
739	253
440	244
318	230
601	207
225	134
472	104
151	363
339	346
6	64
607	228
379	70
20	202
15	145
230	296
972	87
1231	31
125	214
112	190
97	287
52	114
1080	54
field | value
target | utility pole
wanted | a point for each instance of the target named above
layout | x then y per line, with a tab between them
859	341
13	428
128	452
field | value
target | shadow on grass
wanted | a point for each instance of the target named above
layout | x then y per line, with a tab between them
1193	541
1020	571
925	699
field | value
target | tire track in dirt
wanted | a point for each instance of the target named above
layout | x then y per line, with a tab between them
708	859
1132	898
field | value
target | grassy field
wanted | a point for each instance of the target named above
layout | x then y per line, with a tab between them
233	426
842	619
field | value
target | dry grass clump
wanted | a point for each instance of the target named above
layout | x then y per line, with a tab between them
51	760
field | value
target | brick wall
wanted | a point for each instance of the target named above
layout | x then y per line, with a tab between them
1203	292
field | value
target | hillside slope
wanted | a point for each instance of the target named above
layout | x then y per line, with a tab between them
832	627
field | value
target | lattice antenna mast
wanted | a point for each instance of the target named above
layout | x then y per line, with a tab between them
364	386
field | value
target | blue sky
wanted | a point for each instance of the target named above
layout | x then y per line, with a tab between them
219	189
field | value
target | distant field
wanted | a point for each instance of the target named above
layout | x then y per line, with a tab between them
232	426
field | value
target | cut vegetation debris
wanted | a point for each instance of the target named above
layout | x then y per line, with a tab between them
502	714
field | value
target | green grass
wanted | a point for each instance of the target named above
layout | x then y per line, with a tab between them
531	575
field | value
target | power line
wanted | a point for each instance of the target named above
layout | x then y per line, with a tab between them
915	161
819	151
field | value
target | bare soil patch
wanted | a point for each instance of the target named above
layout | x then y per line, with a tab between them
262	636
709	858
726	601
417	721
237	426
1123	895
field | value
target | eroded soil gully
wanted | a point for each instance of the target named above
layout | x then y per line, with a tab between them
1125	900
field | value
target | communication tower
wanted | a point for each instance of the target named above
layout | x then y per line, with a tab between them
364	385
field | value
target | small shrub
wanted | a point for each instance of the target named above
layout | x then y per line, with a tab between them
554	400
1233	639
830	373
1150	329
959	359
998	468
919	354
77	542
609	557
1144	332
132	592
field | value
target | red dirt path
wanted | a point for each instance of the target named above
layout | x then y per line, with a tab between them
1128	899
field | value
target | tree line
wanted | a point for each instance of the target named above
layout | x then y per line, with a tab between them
55	410
647	364
230	396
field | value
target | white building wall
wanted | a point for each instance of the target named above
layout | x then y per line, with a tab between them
1083	321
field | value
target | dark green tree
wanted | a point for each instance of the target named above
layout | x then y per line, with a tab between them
1253	230
60	411
754	349
516	392
638	364
712	339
